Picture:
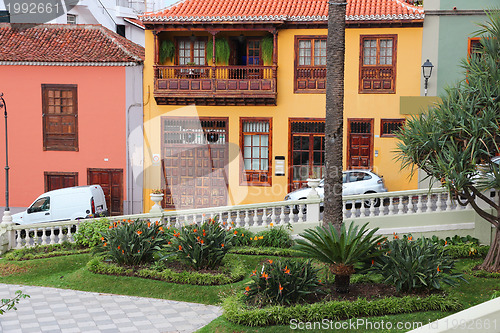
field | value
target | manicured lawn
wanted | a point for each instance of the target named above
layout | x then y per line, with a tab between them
70	272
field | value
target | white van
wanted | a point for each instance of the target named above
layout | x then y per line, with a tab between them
68	203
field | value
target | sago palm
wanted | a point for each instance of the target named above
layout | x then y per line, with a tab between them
344	251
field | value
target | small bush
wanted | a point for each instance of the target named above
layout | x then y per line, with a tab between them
89	232
468	250
266	251
201	246
273	237
132	242
45	251
243	237
455	240
413	264
283	281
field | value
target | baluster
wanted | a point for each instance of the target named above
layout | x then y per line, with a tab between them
69	235
419	204
410	204
44	236
229	219
52	236
365	212
282	215
61	235
194	219
291	215
301	213
400	206
19	240
256	218
428	204
264	218
438	203
238	219
247	219
344	210
391	206
273	215
448	202
372	207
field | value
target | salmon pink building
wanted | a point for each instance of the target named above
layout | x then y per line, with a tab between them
74	100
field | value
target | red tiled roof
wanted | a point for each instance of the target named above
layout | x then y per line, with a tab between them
51	43
282	10
134	21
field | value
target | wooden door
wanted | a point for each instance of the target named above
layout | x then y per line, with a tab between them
194	162
360	144
111	181
57	180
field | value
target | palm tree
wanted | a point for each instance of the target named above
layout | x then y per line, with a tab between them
334	112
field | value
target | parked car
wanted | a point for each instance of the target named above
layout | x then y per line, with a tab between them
354	182
69	203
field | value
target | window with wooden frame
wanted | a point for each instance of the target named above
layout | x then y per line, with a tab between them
389	127
310	64
474	47
191	52
255	143
377	73
60	117
57	180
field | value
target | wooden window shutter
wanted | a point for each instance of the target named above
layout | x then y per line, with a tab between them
60	117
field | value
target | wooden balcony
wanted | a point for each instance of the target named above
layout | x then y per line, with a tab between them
215	85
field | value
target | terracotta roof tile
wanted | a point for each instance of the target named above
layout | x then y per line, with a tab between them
66	43
282	10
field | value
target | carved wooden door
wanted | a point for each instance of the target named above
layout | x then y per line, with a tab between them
360	143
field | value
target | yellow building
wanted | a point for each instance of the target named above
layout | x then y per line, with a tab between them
250	128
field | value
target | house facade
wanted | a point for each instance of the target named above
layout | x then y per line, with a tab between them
235	96
74	99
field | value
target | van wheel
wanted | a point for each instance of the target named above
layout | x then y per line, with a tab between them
376	201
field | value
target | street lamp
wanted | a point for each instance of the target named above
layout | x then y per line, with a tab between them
427	71
6	217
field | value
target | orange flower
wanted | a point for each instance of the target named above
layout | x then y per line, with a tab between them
139	232
270	261
169	243
105	244
247	288
255	238
180	248
373	261
254	273
161	228
222	245
236	232
445	242
119	247
102	238
439	269
195	230
202	242
286	270
110	227
156	223
204	234
264	275
242	235
149	224
230	228
410	238
123	252
280	288
319	281
261	237
271	224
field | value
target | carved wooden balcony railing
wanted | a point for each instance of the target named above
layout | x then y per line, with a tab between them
377	79
310	79
215	85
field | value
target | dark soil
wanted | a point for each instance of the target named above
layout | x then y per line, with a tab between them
369	291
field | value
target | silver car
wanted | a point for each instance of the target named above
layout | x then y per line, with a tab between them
354	182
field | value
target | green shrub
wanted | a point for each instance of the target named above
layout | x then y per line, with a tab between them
200	246
132	242
242	237
346	252
455	240
232	271
413	264
468	250
45	251
283	281
89	232
273	237
236	311
266	251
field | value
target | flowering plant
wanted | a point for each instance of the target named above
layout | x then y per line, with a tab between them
282	281
156	191
132	242
201	246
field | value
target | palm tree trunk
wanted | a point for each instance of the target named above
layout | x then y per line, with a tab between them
334	112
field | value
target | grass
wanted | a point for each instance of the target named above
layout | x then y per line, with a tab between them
70	273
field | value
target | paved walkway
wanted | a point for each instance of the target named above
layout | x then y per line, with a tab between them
69	311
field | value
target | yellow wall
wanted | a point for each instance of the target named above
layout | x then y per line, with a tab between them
291	105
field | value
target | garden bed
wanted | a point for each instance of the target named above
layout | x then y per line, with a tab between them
236	311
265	251
232	271
46	251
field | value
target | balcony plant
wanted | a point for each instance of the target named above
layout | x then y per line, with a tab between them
167	50
267	47
222	51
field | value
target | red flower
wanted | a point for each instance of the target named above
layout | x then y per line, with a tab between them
180	248
280	288
139	232
247	288
222	245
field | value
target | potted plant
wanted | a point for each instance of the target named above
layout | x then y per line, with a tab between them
167	50
267	47
156	196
